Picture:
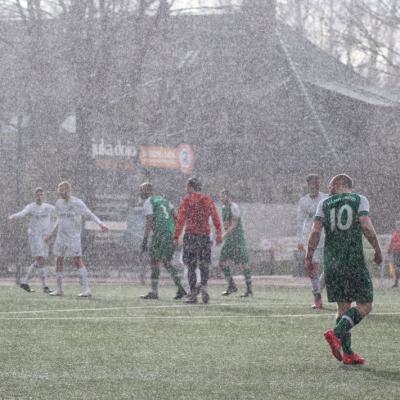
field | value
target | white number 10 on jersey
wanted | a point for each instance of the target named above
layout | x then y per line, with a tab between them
336	220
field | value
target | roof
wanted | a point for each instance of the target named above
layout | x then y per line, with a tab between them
320	69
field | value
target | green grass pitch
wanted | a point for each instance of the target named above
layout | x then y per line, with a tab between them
117	346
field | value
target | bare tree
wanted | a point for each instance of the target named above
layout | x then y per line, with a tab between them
363	34
81	57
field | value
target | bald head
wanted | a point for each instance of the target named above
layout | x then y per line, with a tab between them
340	183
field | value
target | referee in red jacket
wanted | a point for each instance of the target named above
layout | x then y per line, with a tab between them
194	213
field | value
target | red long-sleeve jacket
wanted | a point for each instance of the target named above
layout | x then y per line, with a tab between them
194	213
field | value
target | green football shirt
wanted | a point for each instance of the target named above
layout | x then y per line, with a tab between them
343	241
163	213
228	213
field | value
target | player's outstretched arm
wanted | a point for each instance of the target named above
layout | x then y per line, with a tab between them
27	210
52	231
147	229
180	220
369	232
313	241
53	225
86	211
216	222
231	227
301	216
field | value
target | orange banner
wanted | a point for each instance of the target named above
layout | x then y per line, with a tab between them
167	157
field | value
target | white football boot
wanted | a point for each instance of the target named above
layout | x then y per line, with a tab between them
56	292
85	293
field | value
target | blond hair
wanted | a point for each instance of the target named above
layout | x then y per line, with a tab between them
66	184
344	180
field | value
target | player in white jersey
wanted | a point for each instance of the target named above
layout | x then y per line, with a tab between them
40	224
305	217
69	211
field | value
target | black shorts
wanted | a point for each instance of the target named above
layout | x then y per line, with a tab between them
196	248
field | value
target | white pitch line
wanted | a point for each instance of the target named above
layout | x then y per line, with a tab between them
187	306
163	317
182	317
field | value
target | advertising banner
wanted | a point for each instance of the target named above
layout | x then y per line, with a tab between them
180	158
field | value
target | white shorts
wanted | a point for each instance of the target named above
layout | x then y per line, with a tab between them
318	255
39	248
67	247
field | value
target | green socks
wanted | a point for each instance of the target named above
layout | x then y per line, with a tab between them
346	340
154	277
228	275
175	276
348	320
227	272
247	278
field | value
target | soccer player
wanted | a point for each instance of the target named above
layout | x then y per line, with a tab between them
160	219
305	215
234	248
69	210
40	224
344	215
394	250
193	216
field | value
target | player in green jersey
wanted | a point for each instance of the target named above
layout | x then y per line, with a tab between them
344	216
234	248
160	220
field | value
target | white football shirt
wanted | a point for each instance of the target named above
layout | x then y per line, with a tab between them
70	214
41	218
305	216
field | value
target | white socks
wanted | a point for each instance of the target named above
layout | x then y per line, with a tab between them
322	281
60	284
29	274
84	276
315	285
43	275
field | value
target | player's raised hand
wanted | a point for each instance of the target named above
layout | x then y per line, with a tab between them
11	219
104	228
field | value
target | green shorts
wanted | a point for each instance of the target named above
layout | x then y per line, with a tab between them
234	251
162	247
347	284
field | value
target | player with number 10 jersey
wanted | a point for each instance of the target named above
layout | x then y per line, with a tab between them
343	251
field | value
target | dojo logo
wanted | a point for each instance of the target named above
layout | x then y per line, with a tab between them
119	150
